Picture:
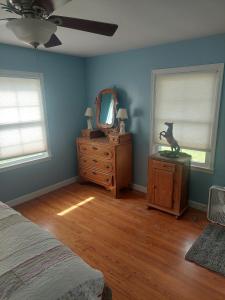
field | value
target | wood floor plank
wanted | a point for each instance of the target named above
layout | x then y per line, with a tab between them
140	251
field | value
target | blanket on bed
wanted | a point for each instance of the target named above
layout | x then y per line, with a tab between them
36	266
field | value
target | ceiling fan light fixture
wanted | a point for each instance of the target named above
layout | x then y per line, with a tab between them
32	31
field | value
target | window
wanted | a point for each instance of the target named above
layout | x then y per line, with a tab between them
22	125
189	97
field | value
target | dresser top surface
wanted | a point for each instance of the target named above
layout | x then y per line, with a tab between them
181	160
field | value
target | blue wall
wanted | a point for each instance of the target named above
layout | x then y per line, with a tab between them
129	72
71	82
65	100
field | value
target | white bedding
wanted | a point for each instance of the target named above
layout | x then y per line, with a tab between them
36	266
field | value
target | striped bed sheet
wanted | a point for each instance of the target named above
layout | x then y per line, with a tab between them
36	266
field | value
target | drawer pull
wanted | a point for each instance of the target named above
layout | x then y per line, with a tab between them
95	160
84	160
94	148
107	167
94	173
106	153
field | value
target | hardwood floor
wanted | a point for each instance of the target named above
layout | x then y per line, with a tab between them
140	251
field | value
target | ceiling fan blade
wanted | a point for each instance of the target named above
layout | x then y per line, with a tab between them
85	25
53	42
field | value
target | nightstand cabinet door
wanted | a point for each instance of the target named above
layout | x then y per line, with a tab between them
163	188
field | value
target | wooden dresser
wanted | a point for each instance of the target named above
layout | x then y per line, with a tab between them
105	163
168	184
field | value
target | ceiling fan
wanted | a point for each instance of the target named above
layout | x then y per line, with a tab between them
37	25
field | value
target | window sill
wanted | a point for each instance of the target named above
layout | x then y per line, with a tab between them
25	161
202	169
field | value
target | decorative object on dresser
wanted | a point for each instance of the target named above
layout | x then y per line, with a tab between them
122	115
168	135
89	115
168	183
106	160
106	109
91	134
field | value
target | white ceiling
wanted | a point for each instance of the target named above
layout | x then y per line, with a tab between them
141	23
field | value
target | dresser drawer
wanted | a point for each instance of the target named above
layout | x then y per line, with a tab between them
92	150
96	163
162	165
96	176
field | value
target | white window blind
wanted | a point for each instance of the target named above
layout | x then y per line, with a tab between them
22	127
189	99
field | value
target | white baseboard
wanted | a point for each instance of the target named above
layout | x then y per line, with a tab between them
139	188
58	185
41	192
198	205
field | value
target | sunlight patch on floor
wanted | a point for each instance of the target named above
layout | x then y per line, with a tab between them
68	210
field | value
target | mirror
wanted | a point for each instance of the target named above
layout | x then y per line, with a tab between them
106	110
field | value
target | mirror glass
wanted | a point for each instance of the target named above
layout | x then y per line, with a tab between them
107	109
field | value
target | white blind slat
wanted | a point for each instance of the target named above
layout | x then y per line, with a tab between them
188	100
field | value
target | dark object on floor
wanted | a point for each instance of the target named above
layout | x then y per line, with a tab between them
209	249
107	293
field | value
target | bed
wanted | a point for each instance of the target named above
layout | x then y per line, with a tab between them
36	266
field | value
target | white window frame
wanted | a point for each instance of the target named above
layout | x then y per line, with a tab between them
33	158
210	157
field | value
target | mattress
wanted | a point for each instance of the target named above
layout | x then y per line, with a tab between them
34	265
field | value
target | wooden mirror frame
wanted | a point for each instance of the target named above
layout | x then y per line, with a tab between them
105	127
